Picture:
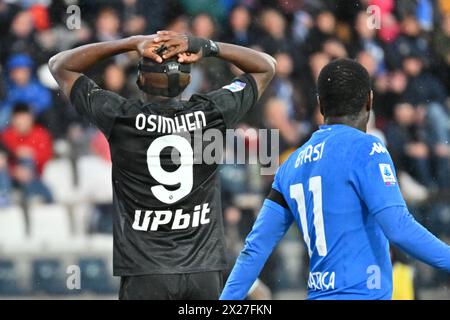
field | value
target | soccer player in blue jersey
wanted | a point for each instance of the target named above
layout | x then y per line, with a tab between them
341	190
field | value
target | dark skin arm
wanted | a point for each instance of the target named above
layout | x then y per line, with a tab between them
260	65
67	66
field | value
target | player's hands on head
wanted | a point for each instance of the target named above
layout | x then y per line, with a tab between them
176	44
166	45
146	47
187	57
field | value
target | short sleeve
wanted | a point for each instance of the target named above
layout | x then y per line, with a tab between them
373	175
235	99
101	107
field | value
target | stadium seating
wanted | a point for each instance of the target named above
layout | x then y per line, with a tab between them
9	278
12	229
95	276
58	175
48	276
54	238
95	179
81	219
50	229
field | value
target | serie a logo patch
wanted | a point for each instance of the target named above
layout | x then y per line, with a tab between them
235	86
387	174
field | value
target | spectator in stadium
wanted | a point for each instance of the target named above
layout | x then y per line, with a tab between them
179	24
284	88
316	62
115	79
204	26
308	79
277	117
369	62
134	15
366	41
425	14
30	146
27	141
20	38
389	29
324	29
107	25
7	12
410	42
423	87
335	49
441	43
301	26
274	37
406	144
388	91
23	87
427	91
239	31
31	187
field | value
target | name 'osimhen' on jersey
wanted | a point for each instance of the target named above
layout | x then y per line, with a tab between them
167	216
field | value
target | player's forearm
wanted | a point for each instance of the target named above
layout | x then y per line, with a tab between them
272	223
67	66
84	57
403	230
244	274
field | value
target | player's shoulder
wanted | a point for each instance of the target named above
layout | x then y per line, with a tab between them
235	86
88	87
200	102
369	144
289	163
369	149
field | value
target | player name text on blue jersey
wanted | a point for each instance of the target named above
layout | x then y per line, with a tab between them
310	154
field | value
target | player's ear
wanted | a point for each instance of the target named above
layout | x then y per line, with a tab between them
369	101
320	105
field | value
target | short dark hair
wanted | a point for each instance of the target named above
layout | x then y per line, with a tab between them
343	87
21	107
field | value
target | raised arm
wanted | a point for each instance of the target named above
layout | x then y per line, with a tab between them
260	65
67	66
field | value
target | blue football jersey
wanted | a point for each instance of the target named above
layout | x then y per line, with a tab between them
334	186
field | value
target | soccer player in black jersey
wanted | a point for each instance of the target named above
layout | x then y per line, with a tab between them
168	233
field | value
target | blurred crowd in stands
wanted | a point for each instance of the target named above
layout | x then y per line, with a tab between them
407	56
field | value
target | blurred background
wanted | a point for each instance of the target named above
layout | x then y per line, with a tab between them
55	185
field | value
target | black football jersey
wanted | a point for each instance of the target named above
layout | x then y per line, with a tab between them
167	203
